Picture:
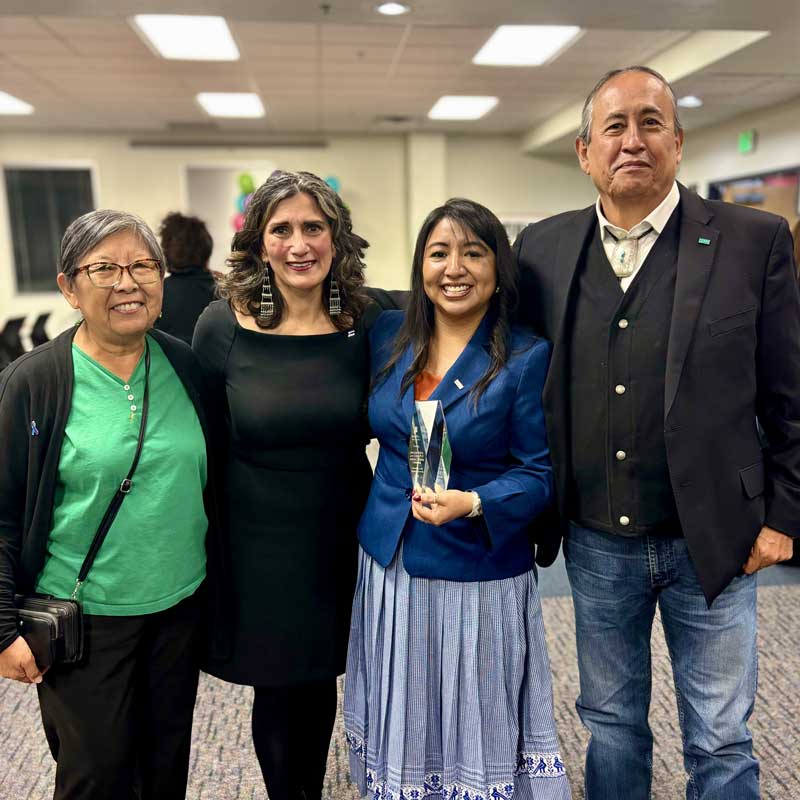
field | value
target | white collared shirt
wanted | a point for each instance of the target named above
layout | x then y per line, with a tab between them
657	218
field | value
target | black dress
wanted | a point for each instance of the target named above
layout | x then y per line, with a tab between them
298	478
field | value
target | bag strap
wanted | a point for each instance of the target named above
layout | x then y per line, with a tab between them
124	487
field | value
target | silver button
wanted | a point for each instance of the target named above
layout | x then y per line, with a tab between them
619	389
621	455
623	323
130	397
623	520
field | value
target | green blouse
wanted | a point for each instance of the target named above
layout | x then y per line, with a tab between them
154	555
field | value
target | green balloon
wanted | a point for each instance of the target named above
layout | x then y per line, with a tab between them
246	183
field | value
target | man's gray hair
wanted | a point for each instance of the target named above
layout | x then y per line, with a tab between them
89	230
585	132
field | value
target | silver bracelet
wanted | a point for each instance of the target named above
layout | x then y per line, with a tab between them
477	508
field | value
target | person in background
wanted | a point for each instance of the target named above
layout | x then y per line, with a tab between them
286	350
190	285
70	416
675	324
448	690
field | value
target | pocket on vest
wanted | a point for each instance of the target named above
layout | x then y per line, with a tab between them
753	479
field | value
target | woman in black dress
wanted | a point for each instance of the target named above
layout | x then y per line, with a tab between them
288	347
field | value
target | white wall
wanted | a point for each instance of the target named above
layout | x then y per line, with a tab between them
427	178
375	174
212	194
710	154
492	171
151	181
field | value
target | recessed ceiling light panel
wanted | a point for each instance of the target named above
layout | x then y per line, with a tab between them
392	9
459	107
13	105
234	105
690	101
188	38
525	45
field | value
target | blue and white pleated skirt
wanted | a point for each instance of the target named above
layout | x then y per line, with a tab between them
448	692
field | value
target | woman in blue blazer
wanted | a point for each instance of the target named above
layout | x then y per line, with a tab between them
448	690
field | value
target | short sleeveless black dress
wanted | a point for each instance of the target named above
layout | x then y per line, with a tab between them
297	481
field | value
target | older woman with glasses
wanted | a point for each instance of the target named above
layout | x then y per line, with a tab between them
71	414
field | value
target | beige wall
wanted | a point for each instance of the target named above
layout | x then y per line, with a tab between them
151	182
492	171
710	154
380	180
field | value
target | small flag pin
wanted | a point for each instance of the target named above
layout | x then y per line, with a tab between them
34	429
701	240
350	334
458	383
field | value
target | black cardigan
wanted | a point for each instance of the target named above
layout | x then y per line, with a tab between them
36	391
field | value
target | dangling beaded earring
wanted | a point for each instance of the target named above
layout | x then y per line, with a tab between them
267	306
334	300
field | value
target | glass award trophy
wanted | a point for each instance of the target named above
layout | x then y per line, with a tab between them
429	453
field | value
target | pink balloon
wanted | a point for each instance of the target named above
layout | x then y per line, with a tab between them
238	222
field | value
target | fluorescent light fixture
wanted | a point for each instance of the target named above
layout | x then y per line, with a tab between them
187	38
690	101
237	105
461	107
13	105
525	45
392	9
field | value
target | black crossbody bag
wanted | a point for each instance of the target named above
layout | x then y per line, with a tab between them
53	628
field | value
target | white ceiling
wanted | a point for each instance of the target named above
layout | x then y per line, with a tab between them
347	70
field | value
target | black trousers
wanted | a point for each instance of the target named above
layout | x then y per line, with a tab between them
292	728
119	723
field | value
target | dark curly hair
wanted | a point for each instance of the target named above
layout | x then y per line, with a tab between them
418	324
186	242
242	284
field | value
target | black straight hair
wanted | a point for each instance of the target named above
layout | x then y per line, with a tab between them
418	325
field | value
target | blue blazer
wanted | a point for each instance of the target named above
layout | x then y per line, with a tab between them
499	450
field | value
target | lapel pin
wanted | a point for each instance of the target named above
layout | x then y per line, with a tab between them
458	383
350	334
34	429
701	240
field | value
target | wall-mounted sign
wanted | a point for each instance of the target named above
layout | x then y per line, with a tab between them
747	141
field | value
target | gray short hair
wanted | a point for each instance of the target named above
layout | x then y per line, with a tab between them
585	132
87	231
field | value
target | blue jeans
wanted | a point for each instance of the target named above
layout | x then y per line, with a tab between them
616	583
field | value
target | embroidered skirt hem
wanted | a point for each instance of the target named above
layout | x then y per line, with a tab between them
448	694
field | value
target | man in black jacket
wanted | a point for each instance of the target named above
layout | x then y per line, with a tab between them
676	326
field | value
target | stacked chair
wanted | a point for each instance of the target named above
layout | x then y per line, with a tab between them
10	342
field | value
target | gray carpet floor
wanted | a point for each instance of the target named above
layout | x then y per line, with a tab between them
224	767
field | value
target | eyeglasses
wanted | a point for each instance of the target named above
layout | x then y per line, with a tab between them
106	274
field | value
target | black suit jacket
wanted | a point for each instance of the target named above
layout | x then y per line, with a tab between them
733	359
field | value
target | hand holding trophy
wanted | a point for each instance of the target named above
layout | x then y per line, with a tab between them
429	458
429	453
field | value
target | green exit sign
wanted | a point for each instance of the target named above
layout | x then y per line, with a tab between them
747	141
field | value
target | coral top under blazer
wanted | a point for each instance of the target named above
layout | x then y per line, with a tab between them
499	450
